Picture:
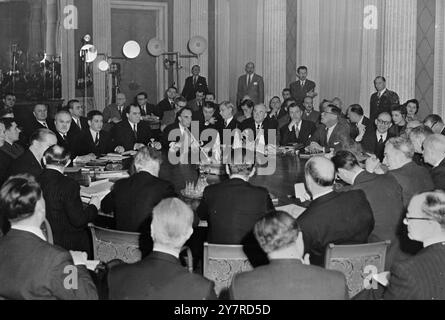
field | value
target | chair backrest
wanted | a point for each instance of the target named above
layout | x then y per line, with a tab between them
112	244
357	262
222	262
47	231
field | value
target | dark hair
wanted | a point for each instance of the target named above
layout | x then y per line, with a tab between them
344	160
380	77
248	103
18	197
6	111
401	109
171	87
210	93
201	90
286	90
433	118
142	94
276	230
181	111
8	122
415	101
39	104
356	108
301	68
180	99
57	155
94	113
294	105
40	134
128	108
196	65
210	105
334	109
8	94
71	103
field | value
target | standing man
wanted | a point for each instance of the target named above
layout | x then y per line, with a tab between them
382	100
303	87
79	122
193	83
114	112
251	85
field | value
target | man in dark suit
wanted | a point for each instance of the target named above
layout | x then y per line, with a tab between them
298	130
231	221
359	123
30	161
251	85
12	133
309	113
131	134
374	140
132	200
79	122
64	209
160	276
288	276
332	134
382	100
208	118
168	103
198	103
31	268
94	141
436	124
434	153
5	160
115	112
338	218
39	121
278	112
420	277
303	87
228	124
150	113
383	193
417	136
261	129
194	83
66	138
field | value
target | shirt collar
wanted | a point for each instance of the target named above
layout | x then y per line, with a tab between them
434	241
438	163
315	197
229	120
35	231
132	124
93	133
382	92
173	253
384	135
356	175
361	120
332	128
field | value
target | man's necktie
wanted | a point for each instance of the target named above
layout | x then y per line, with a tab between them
381	139
194	81
96	141
249	80
44	124
64	137
78	123
297	132
135	131
225	123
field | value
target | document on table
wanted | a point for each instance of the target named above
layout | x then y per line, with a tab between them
294	210
99	188
301	193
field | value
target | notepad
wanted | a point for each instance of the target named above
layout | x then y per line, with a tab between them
96	189
294	210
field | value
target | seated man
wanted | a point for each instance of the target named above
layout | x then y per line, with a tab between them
420	277
39	120
417	136
287	276
131	134
115	112
94	141
168	103
231	221
332	134
434	152
383	193
374	140
5	160
261	129
198	103
66	138
160	276
229	123
332	217
64	208
208	118
30	161
435	122
297	130
358	122
170	116
309	113
30	267
132	200
12	133
79	122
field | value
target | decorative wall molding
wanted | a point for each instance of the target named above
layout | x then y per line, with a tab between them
439	60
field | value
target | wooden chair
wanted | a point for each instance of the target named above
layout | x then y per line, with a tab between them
111	244
356	262
47	231
222	262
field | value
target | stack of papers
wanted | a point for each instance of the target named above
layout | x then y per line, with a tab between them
115	175
96	189
294	210
114	157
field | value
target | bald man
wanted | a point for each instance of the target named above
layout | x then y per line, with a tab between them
114	112
250	84
338	218
434	154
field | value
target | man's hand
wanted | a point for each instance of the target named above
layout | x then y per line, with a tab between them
114	120
95	201
306	260
79	257
119	149
212	120
314	147
138	146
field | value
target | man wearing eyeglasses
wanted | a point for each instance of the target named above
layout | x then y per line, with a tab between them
420	277
374	140
436	124
332	134
434	154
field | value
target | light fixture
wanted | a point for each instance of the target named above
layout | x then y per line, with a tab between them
103	66
131	49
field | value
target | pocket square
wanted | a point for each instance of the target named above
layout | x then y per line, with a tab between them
255	83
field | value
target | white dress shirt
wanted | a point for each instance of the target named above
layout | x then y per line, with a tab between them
36	231
383	135
330	130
